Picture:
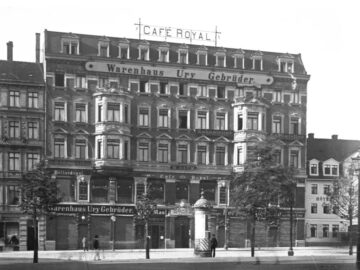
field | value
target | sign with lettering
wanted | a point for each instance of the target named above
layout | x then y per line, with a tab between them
238	78
177	33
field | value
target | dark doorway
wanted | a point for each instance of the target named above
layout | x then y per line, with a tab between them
157	236
83	232
273	235
182	232
221	236
30	238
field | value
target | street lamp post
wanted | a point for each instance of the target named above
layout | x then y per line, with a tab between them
356	162
226	219
113	219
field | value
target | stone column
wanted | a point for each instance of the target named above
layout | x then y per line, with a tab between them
23	233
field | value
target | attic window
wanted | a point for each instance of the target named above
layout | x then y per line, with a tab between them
70	46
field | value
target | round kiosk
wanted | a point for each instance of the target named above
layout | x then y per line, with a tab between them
202	209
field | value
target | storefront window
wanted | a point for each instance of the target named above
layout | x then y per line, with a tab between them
208	187
125	191
182	191
66	189
99	190
156	190
9	235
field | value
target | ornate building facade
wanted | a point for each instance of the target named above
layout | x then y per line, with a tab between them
125	114
22	138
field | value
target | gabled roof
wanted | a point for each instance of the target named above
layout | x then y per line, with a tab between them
324	149
21	72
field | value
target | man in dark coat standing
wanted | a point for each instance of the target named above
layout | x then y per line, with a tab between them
213	245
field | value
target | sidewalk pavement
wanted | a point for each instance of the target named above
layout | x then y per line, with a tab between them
273	254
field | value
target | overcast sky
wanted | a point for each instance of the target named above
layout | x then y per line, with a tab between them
325	33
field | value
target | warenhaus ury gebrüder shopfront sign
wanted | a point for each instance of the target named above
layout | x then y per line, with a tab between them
244	79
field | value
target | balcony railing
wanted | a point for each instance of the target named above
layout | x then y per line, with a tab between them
215	133
69	162
289	137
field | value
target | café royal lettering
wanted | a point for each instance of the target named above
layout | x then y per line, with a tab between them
172	72
171	32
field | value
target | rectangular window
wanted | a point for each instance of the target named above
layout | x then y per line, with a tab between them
314	189
238	62
14	99
182	89
183	119
277	156
240	122
326	209
276	124
140	189
327	169
202	91
163	88
202	59
220	155
201	120
163	153
126	113
220	121
326	189
334	169
100	109
314	169
257	64
220	92
113	112
143	117
182	191
83	191
126	150
14	161
113	148
13	195
183	153
209	188
123	52
81	82
223	195
99	149
221	61
283	67
14	129
143	54
59	79
163	55
80	149
252	121
103	50
239	155
313	230
277	96
31	160
144	151
325	230
124	191
314	208
33	99
144	87
157	190
59	147
70	47
335	231
163	118
201	154
182	57
80	112
294	125
290	67
99	190
66	188
59	111
33	130
294	158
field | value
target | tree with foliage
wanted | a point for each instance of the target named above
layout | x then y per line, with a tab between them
145	208
38	194
259	185
344	199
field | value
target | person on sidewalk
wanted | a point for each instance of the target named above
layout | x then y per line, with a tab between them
96	247
213	245
83	241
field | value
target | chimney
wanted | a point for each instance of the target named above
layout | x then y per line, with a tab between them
334	137
9	51
37	48
311	136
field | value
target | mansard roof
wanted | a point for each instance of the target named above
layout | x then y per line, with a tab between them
21	72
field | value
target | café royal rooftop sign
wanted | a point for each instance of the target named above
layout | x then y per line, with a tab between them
241	79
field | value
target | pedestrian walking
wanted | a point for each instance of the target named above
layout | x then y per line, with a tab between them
96	246
213	245
83	241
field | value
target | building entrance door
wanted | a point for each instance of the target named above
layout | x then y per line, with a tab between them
83	233
182	232
157	236
30	238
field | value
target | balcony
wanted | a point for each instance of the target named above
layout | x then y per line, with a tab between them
214	133
58	162
11	174
289	137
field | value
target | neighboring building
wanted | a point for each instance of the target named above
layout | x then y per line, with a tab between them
328	159
124	113
22	137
